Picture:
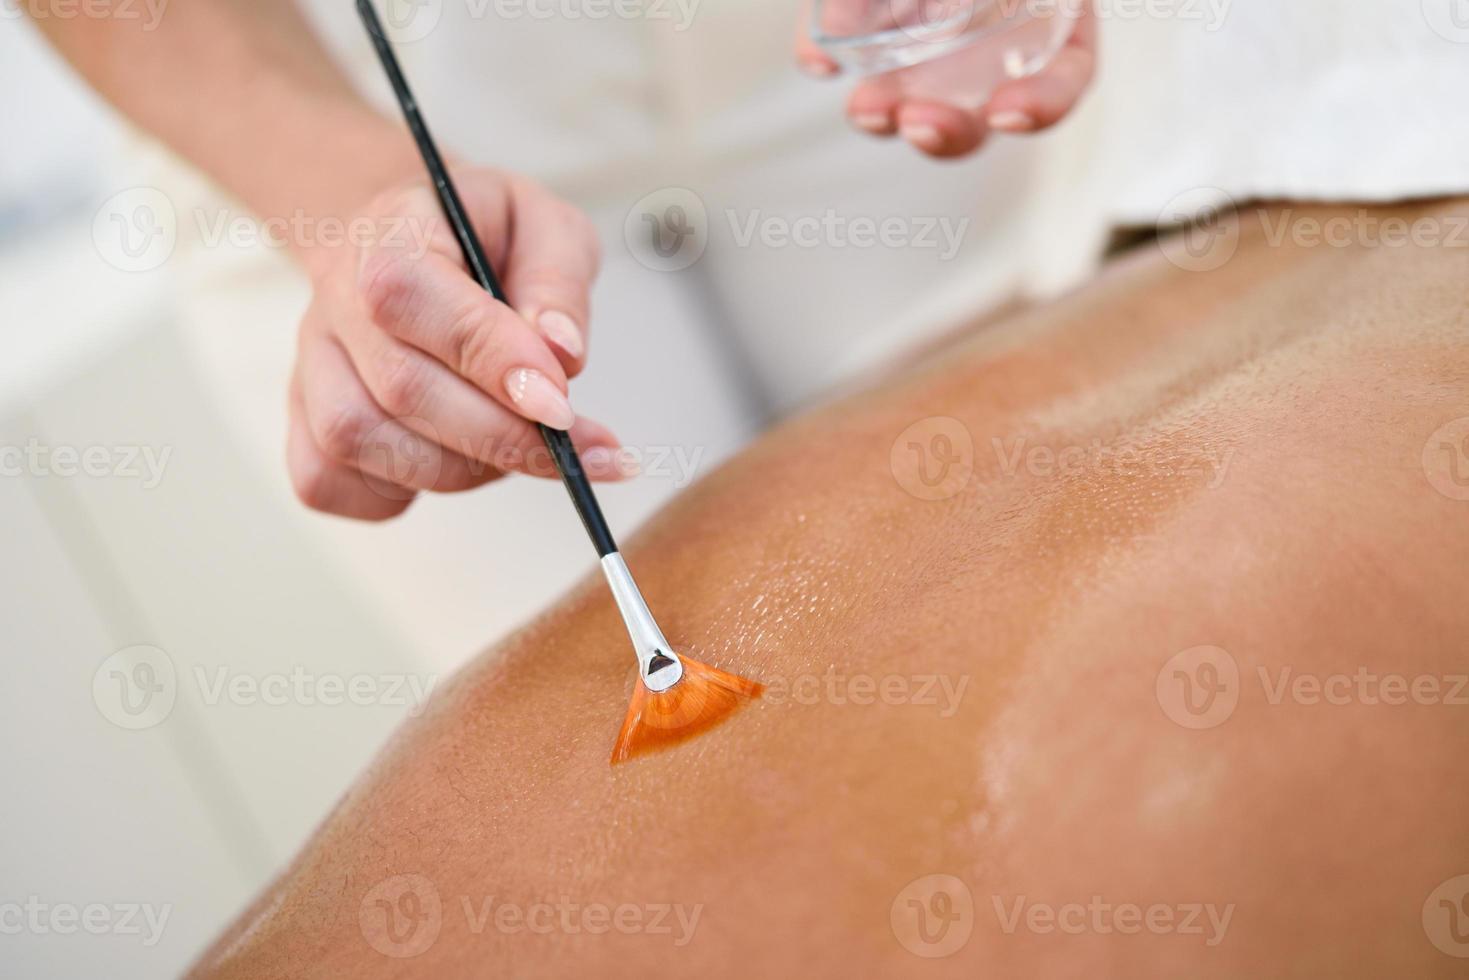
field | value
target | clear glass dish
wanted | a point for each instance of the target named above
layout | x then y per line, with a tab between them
952	51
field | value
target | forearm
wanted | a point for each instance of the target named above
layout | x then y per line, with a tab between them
244	90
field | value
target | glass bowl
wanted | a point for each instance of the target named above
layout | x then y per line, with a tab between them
951	51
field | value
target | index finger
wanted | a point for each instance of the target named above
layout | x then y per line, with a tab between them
552	260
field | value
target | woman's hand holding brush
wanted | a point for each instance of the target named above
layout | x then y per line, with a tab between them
410	377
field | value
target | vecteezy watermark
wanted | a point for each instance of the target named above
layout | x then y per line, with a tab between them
145	464
933	916
148	14
945	19
305	688
408	234
670	229
402	917
1446	459
1209	229
1449	19
138	687
942	692
1046	461
1210	14
400	453
1205	920
675	921
1363	686
831	229
1209	222
408	21
679	465
36	917
935	21
939	21
1201	687
677	13
1446	917
933	459
137	230
1362	228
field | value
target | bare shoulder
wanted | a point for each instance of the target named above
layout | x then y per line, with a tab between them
1128	632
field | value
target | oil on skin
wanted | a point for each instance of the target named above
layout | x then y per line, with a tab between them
705	697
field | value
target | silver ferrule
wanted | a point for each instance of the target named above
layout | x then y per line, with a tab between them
660	667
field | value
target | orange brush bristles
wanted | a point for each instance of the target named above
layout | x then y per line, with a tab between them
705	697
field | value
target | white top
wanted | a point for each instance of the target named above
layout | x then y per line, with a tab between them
1306	99
1257	99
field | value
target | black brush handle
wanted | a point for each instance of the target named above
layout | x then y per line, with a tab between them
563	454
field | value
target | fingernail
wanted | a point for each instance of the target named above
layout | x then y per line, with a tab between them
873	122
536	397
820	69
925	136
1013	121
561	330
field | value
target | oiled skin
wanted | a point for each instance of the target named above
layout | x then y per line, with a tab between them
1319	374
